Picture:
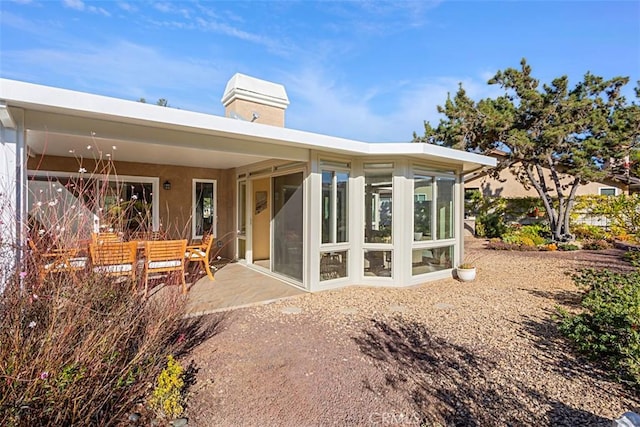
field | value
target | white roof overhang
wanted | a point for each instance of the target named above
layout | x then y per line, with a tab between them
58	121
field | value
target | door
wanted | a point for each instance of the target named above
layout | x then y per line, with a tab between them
260	221
288	225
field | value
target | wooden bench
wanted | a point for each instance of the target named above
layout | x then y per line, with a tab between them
164	256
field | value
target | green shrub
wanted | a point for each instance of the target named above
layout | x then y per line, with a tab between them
526	241
623	211
500	245
568	247
167	395
490	225
608	329
588	232
632	257
595	245
526	235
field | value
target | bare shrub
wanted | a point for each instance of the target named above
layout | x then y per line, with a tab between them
80	348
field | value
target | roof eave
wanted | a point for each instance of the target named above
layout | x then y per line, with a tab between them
63	101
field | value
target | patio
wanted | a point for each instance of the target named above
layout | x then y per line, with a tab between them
236	286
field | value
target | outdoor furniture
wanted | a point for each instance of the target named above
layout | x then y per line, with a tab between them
105	237
57	260
114	258
164	256
200	253
147	235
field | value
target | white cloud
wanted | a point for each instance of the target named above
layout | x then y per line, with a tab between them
127	70
128	7
82	6
74	4
172	9
321	104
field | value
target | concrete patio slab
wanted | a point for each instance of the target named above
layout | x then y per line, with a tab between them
236	286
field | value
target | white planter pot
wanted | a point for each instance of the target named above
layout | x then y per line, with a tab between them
466	274
417	236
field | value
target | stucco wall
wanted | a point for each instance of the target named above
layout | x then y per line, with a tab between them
174	204
508	186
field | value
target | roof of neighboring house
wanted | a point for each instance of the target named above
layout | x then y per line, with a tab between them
185	133
632	181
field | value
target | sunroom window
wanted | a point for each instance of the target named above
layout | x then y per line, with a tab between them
433	207
378	196
335	220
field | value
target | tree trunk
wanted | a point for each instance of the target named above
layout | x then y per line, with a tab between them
554	217
567	215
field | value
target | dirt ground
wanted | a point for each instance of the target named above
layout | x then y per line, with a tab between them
484	353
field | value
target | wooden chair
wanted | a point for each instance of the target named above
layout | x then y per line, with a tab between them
164	256
147	235
100	238
57	260
200	253
114	258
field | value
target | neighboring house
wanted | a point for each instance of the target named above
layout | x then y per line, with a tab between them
508	186
318	211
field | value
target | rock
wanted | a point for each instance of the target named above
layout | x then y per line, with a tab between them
134	417
179	422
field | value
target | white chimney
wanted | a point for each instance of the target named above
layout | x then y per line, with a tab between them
251	99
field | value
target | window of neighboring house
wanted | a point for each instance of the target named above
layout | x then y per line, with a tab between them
608	191
204	207
335	202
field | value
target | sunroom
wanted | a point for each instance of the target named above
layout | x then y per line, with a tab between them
316	211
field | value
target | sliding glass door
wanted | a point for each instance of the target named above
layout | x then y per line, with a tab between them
288	225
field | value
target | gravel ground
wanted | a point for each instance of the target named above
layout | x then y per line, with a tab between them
485	353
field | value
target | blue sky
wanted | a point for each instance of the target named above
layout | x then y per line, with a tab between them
366	70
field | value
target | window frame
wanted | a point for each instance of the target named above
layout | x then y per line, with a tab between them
615	191
435	240
154	181
333	205
194	183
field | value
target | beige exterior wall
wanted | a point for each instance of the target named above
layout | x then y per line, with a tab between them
268	115
508	186
174	205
